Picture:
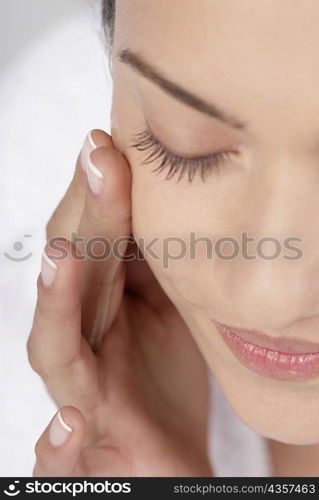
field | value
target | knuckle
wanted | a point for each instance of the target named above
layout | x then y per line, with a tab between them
30	349
32	356
54	222
38	450
94	216
49	229
44	465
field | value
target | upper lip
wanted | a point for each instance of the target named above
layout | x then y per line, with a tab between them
281	344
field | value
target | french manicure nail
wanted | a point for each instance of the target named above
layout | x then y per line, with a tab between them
48	270
95	178
88	146
59	430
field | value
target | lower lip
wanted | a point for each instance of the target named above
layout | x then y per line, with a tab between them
269	362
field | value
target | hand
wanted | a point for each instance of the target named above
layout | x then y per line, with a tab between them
137	404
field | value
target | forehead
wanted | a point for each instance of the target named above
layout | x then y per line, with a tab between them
267	46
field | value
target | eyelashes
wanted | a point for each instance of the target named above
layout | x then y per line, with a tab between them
203	165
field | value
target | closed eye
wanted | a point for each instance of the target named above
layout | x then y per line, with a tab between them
174	164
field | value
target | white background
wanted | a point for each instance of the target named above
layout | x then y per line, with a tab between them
54	87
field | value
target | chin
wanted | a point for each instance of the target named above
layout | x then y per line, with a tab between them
290	422
287	412
287	431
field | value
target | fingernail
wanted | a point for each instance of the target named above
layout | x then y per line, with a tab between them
59	431
48	270
95	178
87	147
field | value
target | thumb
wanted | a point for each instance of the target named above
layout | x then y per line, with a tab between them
59	447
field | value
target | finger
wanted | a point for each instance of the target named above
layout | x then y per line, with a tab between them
106	218
95	138
141	281
56	350
59	447
115	297
66	217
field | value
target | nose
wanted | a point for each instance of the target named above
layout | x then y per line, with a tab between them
271	290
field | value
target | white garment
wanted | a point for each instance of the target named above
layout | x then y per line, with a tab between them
51	94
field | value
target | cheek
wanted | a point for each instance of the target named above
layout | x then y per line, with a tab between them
164	216
176	224
170	210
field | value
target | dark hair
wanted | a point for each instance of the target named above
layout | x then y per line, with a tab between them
108	16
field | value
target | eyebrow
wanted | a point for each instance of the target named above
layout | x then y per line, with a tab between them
139	64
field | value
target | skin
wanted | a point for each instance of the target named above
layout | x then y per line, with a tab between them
268	188
137	404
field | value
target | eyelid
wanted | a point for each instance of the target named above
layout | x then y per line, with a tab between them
218	150
146	140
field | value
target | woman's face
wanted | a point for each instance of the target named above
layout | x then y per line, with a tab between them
252	71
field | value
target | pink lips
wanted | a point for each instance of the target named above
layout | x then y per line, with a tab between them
280	358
